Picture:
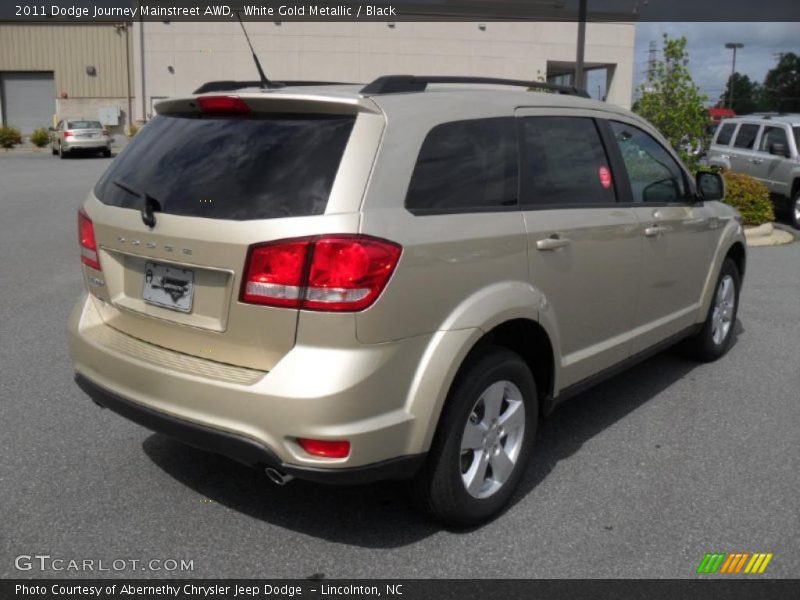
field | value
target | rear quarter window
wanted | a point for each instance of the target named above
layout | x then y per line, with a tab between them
725	134
231	168
466	166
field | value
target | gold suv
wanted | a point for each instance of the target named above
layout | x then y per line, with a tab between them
347	284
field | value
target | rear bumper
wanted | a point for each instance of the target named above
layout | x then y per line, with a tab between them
240	448
357	394
96	144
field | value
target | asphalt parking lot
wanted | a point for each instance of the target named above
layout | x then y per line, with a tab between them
639	477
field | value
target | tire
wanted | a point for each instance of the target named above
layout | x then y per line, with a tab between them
794	211
53	150
106	153
495	377
61	154
716	336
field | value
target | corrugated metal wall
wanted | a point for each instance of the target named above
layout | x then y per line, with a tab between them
67	50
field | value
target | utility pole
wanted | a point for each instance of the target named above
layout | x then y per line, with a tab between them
732	46
581	44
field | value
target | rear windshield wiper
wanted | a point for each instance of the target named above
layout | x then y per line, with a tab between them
149	204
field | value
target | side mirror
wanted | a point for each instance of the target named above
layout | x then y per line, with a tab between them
710	186
779	150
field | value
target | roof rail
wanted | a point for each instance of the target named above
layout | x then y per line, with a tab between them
230	85
393	84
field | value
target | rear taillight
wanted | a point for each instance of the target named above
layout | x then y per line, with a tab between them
106	133
327	273
88	244
68	134
325	448
227	105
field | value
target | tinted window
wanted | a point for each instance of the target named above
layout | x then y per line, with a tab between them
466	165
773	135
797	137
746	136
84	125
725	134
231	168
654	175
564	162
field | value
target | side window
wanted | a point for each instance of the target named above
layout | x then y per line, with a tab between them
773	135
564	162
725	134
746	136
654	175
466	165
58	127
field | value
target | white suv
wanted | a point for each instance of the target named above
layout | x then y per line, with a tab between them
768	148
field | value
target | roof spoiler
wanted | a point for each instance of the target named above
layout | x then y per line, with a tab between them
394	84
231	86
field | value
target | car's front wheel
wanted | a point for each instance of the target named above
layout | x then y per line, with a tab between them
483	441
61	153
794	211
715	338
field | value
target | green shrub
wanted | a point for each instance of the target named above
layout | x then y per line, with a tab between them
40	137
9	136
750	197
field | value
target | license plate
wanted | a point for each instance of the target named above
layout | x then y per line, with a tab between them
167	286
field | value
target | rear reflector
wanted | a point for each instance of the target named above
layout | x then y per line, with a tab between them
228	105
88	244
326	273
325	448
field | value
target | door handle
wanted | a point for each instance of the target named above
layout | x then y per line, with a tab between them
756	161
654	231
553	242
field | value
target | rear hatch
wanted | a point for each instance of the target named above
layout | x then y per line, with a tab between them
216	181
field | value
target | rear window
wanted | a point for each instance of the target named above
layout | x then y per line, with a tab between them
466	166
84	125
231	168
725	134
746	136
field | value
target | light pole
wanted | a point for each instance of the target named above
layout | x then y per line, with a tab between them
732	46
579	59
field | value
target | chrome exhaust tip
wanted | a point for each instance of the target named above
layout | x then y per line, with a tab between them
277	477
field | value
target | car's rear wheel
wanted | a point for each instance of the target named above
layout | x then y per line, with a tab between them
483	440
106	153
715	338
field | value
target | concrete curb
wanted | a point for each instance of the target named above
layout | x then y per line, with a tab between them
767	235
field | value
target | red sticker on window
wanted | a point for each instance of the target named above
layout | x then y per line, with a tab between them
605	177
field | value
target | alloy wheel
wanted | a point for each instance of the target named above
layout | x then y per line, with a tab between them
492	439
722	315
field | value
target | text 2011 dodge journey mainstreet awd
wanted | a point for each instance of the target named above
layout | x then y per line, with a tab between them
347	284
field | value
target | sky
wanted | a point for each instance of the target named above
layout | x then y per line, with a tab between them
709	60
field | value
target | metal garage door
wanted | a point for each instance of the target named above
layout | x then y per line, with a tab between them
28	100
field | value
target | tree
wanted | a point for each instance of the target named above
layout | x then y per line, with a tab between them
782	84
747	95
672	102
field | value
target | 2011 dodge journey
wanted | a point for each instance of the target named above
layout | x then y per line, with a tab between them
347	284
